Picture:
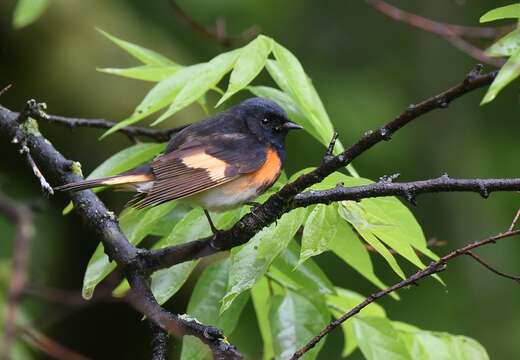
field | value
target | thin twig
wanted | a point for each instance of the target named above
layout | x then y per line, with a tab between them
49	346
474	51
436	27
433	268
218	36
160	135
5	89
515	220
491	268
452	33
21	216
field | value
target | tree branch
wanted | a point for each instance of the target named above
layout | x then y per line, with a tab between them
103	224
218	36
159	342
284	200
36	112
407	190
433	268
22	217
452	33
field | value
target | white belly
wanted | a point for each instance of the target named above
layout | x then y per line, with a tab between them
227	195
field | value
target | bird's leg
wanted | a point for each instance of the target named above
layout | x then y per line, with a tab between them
211	225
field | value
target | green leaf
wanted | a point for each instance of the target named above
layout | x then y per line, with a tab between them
301	89
28	11
261	302
136	225
508	73
204	306
355	215
320	228
378	339
349	248
387	220
342	302
145	72
307	275
430	345
207	77
250	62
506	46
162	94
146	56
250	262
166	282
295	318
505	12
121	161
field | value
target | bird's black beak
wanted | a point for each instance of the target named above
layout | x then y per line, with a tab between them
289	125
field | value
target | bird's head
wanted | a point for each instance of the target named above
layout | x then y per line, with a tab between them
266	119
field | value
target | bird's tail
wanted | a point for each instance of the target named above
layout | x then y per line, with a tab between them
128	179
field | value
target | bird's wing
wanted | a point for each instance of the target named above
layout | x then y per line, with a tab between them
201	164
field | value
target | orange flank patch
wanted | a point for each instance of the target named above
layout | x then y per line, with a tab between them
265	176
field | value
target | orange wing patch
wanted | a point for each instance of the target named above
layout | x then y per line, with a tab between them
215	167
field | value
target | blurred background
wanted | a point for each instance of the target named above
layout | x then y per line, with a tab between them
367	69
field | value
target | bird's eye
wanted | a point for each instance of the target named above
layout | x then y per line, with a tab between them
265	121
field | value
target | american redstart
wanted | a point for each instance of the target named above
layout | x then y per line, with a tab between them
218	163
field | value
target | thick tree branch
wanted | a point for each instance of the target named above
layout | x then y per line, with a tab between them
284	200
433	268
407	190
159	342
103	224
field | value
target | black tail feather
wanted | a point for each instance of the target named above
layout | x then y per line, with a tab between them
82	185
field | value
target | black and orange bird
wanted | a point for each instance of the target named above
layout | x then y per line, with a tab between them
218	163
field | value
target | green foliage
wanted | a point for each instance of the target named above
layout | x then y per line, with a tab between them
146	56
250	62
504	12
28	11
294	319
136	225
292	296
204	306
380	338
250	261
507	46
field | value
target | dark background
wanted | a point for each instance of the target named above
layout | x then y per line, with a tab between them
366	67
